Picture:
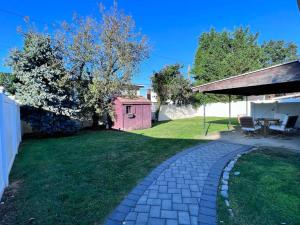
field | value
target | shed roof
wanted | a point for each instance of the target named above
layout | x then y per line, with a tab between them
134	101
281	78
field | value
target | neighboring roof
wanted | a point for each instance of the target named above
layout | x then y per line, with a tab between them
281	78
136	86
134	101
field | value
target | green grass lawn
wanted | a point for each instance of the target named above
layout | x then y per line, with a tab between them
80	179
266	192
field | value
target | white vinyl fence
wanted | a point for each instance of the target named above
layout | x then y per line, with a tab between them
10	136
172	112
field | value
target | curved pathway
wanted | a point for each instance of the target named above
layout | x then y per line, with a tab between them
182	190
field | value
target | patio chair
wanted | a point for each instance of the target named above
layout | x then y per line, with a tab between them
287	125
280	116
248	125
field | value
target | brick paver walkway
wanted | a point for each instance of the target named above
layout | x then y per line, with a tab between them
182	190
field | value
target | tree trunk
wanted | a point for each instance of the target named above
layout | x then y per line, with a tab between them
95	118
157	111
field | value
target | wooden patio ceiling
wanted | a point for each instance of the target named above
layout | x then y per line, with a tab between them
283	78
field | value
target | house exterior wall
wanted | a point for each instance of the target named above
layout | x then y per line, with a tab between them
269	109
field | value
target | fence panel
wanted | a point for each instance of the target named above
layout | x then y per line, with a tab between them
10	136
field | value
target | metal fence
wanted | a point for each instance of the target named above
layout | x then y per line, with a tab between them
10	136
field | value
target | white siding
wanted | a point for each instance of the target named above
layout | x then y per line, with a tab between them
10	136
269	109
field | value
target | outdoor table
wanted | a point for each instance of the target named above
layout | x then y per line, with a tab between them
266	123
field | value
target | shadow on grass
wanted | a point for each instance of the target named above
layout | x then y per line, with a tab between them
156	123
80	179
232	125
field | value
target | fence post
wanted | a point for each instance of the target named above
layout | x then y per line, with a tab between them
2	142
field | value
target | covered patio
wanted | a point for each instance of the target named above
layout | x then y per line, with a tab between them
279	79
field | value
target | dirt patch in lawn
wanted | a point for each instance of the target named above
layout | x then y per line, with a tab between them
7	206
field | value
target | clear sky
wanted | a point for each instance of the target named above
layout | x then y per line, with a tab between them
172	26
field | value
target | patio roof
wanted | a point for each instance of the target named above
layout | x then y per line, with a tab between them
282	78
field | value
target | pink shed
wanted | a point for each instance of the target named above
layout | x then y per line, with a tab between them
132	114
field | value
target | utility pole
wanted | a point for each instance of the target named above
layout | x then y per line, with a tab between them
189	71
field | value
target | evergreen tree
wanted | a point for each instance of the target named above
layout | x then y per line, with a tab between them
225	54
279	52
42	85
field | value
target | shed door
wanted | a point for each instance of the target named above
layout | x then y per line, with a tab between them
146	116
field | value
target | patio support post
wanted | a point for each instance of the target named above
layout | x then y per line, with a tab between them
246	105
229	117
204	119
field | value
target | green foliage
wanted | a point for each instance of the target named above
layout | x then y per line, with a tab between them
103	56
278	52
224	54
7	81
170	85
42	84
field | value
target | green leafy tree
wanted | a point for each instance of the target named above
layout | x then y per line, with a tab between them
225	54
104	54
279	52
43	86
170	85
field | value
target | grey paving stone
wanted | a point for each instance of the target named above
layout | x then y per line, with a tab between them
155	201
172	222
164	196
205	219
207	211
142	208
186	193
183	218
142	218
180	207
190	200
194	209
156	221
166	204
153	194
176	198
155	211
194	220
163	189
129	202
182	190
173	190
128	223
168	214
131	216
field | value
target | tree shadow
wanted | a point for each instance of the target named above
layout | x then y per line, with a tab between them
156	123
232	125
105	165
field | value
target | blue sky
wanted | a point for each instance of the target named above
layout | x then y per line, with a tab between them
173	27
